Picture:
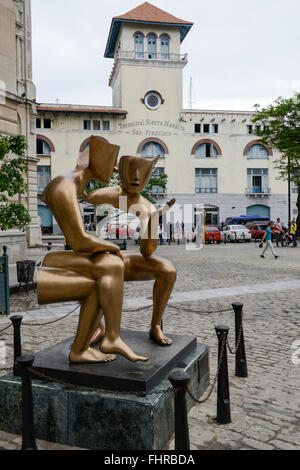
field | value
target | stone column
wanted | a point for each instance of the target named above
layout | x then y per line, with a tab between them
33	230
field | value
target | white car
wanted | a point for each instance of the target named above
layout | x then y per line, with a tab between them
232	233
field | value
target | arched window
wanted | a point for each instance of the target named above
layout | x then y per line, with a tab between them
257	151
152	52
86	144
42	147
139	45
206	150
152	150
165	46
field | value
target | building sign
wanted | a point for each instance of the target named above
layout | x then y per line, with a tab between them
150	128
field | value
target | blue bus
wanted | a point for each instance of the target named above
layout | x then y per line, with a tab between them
244	219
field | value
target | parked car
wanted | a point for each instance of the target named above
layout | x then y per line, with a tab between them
118	231
232	233
258	229
212	234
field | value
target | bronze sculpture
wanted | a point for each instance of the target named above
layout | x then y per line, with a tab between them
92	273
135	173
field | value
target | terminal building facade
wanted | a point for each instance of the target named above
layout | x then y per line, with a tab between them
211	157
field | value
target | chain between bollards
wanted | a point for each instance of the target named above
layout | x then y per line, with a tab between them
179	381
28	437
203	400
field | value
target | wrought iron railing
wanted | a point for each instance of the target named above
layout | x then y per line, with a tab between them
256	191
150	55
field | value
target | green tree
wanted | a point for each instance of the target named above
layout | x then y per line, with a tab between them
281	131
12	168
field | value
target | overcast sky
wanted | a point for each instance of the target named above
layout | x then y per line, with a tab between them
241	52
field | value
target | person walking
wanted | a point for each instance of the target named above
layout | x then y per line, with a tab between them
268	238
293	232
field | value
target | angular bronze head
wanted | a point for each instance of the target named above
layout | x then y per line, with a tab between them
101	158
135	173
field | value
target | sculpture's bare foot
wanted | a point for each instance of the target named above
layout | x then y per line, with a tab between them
158	336
118	346
99	333
90	355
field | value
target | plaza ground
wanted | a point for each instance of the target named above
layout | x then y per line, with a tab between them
265	407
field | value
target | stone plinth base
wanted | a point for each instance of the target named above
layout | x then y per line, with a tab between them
107	420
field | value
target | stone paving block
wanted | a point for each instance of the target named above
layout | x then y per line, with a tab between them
283	445
257	445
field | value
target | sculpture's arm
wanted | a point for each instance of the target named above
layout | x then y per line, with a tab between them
149	239
103	196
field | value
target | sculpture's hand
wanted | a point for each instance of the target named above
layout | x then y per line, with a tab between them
84	195
113	249
171	203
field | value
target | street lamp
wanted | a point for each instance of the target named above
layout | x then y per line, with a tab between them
289	194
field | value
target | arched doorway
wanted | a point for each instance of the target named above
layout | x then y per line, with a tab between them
259	209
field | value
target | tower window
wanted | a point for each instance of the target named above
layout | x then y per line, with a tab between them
152	46
153	100
165	47
139	45
206	128
215	128
38	123
197	128
250	128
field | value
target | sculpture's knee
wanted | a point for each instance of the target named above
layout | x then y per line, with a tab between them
168	271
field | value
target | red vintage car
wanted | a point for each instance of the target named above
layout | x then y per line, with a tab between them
258	230
212	234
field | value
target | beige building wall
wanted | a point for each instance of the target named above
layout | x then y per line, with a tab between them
17	106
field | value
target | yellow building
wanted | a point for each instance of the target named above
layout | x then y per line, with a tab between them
18	110
211	157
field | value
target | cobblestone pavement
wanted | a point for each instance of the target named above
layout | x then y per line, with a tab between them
265	407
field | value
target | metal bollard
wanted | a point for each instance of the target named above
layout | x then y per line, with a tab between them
240	355
16	321
28	438
179	381
223	399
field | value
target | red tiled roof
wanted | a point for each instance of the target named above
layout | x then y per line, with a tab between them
80	109
148	12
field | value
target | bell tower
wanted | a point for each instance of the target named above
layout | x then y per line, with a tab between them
145	44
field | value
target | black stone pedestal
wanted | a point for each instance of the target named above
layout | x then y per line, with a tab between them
133	408
120	374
